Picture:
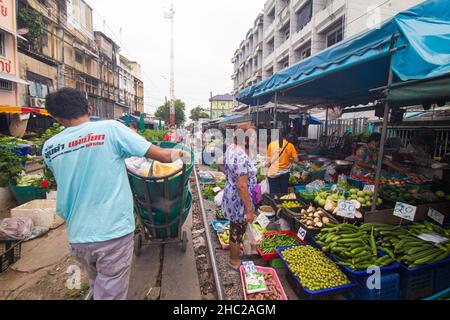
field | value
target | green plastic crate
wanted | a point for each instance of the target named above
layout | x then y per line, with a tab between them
26	194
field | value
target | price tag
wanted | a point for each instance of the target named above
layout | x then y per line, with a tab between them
263	220
436	216
217	190
405	211
301	234
433	238
368	187
346	209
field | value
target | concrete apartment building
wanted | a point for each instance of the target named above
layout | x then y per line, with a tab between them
131	87
109	64
248	59
294	30
69	53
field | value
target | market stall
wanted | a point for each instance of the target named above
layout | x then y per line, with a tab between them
398	222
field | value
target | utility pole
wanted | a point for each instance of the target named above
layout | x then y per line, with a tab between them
211	106
171	17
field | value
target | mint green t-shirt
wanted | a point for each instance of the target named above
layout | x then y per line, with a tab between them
94	194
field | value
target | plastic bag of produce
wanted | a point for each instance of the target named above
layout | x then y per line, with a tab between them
165	169
139	166
15	228
265	188
148	168
218	198
315	185
252	237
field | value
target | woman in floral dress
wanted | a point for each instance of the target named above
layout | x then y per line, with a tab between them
237	205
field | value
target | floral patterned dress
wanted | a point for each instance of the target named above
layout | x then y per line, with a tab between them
237	164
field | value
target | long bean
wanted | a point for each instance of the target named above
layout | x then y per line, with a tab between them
272	243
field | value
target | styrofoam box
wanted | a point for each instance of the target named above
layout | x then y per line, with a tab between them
42	212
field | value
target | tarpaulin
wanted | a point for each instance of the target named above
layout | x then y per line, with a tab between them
23	110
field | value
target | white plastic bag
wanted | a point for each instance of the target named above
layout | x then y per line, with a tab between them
265	188
252	237
15	228
219	198
284	225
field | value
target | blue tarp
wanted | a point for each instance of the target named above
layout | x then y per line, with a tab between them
227	119
314	121
345	73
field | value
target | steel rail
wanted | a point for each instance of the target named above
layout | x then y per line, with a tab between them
212	257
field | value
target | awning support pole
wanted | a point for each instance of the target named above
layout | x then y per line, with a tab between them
257	113
275	111
383	131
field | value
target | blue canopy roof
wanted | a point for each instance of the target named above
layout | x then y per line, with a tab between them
314	121
347	73
227	119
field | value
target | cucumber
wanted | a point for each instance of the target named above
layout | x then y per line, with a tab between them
320	243
357	240
417	250
388	252
423	254
355	245
353	235
427	259
439	258
361	259
358	250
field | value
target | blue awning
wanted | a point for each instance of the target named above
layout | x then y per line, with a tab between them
314	121
230	118
347	73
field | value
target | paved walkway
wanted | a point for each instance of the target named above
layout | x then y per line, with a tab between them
44	262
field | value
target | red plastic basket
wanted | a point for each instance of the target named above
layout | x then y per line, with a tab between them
274	255
266	270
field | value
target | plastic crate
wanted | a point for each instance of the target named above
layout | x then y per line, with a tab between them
277	264
266	270
26	194
356	183
416	283
443	295
10	251
442	277
362	274
390	285
304	293
220	225
312	232
274	255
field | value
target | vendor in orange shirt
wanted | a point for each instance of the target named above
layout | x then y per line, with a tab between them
281	155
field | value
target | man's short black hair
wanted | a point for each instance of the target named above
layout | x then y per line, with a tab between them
67	103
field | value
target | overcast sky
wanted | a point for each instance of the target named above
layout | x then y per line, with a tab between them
207	33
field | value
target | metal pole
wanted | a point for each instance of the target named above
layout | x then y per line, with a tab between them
211	106
384	129
326	122
380	156
275	111
211	248
257	113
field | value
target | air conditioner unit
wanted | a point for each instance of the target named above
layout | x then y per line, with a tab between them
37	102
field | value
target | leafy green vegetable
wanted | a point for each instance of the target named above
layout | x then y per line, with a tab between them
154	136
10	163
